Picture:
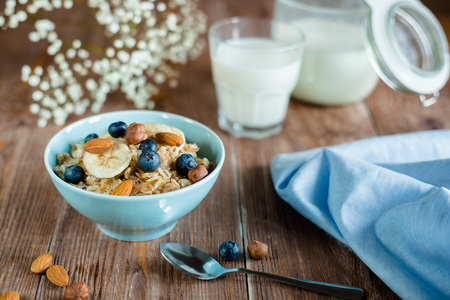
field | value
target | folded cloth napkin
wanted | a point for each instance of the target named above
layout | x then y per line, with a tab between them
387	198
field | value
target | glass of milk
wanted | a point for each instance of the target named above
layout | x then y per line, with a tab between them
336	69
255	67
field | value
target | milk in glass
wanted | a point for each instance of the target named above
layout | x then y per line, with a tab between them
253	85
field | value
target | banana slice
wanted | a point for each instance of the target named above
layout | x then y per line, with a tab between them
153	128
109	163
107	136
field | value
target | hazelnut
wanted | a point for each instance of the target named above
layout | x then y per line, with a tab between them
257	249
76	291
136	133
197	173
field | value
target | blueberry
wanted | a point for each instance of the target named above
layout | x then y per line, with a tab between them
184	163
74	174
90	137
117	129
148	144
229	250
149	161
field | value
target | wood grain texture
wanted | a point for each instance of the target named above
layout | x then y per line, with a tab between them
242	206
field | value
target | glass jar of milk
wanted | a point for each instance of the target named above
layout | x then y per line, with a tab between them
335	69
349	42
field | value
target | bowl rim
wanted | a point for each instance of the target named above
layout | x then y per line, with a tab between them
155	197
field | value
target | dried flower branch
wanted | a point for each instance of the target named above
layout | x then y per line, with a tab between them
148	39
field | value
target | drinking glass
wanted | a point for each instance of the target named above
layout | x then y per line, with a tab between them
255	67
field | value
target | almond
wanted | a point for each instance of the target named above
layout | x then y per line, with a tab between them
197	173
123	189
169	139
136	133
57	275
98	145
10	295
42	263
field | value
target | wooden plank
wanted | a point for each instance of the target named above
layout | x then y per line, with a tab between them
393	112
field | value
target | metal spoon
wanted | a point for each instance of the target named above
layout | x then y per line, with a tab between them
197	263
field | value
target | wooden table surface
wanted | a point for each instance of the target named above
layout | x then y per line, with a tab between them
242	206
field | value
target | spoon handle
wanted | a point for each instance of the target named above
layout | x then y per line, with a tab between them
331	289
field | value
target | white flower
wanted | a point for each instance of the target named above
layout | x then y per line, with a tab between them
45	113
69	107
79	109
34	80
91	84
34	108
68	4
147	39
141	58
159	78
37	95
142	45
123	56
32	9
161	6
42	122
87	63
74	91
71	53
26	71
118	44
83	54
34	36
49	102
44	25
172	21
57	3
76	44
44	86
147	6
113	78
21	16
52	37
130	42
114	27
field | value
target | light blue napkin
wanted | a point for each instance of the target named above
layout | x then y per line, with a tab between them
387	198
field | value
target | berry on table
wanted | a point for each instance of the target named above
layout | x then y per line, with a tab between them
90	137
74	174
148	144
184	163
229	250
149	161
117	129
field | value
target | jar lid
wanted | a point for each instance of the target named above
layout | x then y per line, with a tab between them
407	47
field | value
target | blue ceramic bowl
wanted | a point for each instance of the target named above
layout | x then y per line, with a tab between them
136	218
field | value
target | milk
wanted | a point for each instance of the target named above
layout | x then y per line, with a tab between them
253	85
335	69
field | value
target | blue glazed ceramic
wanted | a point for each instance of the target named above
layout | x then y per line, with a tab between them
137	218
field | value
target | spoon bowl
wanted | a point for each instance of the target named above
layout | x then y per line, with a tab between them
192	261
197	263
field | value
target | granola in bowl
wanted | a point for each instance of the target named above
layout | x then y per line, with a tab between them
150	158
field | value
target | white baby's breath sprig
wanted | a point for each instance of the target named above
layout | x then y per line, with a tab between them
148	39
